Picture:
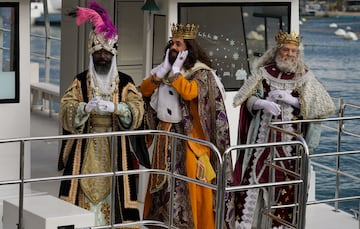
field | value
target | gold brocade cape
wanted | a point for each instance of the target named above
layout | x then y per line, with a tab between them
314	99
252	166
79	156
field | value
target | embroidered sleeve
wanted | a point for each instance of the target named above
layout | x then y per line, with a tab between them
124	112
71	109
81	116
134	102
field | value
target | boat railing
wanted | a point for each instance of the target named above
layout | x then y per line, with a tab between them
219	186
342	130
337	125
299	177
175	137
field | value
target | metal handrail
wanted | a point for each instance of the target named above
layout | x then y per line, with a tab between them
341	130
22	180
220	185
302	181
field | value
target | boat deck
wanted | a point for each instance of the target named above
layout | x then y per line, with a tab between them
44	157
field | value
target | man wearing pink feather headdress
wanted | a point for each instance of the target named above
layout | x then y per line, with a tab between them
100	99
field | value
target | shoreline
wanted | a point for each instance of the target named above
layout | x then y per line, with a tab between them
331	14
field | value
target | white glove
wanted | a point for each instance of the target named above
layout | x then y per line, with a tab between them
106	106
91	105
162	69
267	106
285	96
180	59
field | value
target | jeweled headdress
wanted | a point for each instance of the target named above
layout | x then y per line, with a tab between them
104	34
285	38
188	31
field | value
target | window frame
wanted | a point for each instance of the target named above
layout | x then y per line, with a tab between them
230	86
15	59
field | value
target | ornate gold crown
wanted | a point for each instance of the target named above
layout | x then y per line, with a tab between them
186	32
285	38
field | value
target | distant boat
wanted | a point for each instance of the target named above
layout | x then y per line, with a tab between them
340	32
350	36
333	25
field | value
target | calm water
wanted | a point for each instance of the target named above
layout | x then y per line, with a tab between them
335	62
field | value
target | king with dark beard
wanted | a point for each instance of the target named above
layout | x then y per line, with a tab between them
186	98
285	89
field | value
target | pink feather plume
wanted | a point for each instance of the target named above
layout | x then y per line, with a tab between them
85	14
108	27
98	17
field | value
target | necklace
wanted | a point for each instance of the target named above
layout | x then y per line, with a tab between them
104	90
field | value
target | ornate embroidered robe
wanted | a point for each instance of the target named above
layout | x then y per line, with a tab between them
93	155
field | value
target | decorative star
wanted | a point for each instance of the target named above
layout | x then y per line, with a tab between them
236	56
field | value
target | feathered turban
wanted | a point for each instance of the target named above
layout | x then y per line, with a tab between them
104	34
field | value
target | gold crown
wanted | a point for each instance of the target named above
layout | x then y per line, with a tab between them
285	38
186	32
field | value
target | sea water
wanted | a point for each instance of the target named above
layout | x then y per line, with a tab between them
335	62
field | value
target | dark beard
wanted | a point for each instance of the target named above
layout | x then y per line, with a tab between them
102	67
286	64
172	56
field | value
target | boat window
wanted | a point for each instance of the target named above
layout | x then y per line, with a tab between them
235	34
9	53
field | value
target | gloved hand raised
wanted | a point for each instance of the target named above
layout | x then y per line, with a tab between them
285	96
162	69
268	106
91	105
180	59
106	106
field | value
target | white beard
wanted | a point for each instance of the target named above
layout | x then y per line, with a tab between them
286	64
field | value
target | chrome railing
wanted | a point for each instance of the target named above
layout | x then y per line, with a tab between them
340	130
219	187
300	180
22	180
